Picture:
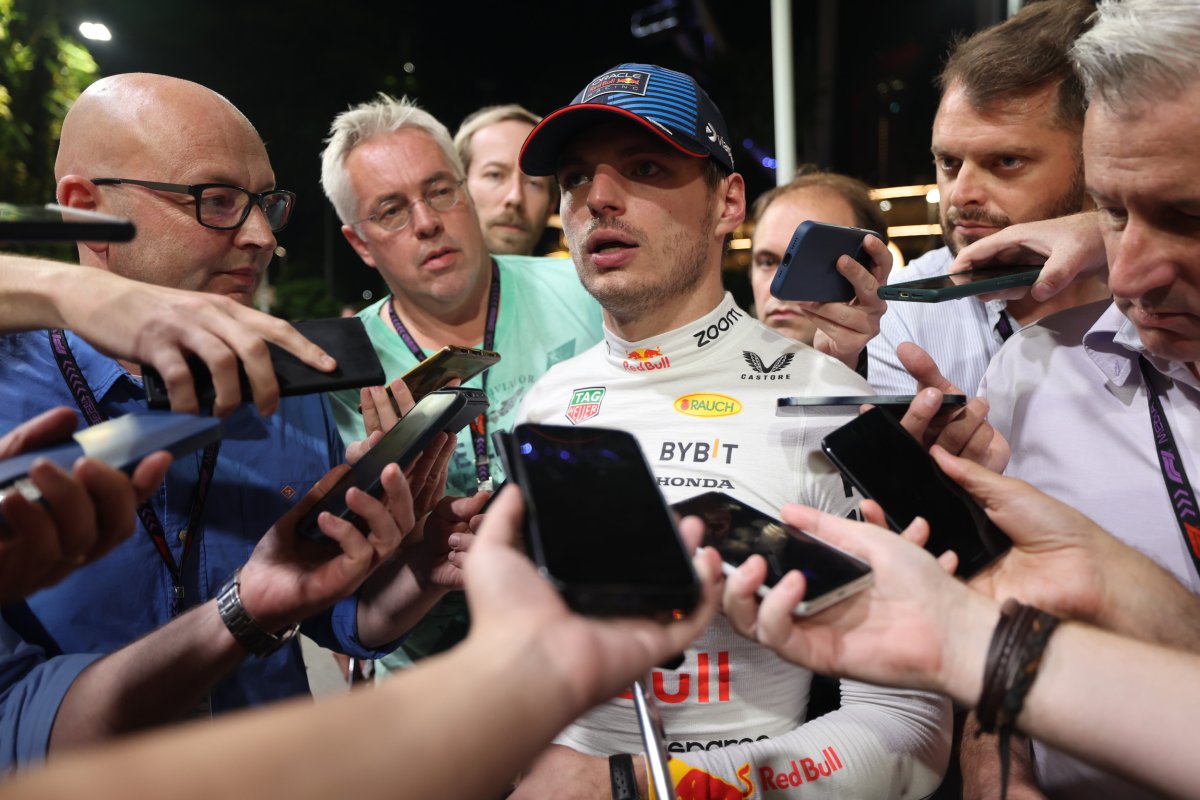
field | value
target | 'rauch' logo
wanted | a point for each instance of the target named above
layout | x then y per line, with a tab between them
585	404
704	404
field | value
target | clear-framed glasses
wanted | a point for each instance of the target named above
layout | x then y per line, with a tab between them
221	205
442	195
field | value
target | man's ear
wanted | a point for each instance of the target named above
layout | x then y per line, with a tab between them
359	245
76	191
732	206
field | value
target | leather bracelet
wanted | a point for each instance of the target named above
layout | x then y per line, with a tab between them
1014	656
242	626
622	777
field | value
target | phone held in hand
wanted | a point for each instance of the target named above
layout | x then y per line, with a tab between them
446	364
121	442
448	410
808	269
889	466
957	285
738	531
895	404
596	524
344	338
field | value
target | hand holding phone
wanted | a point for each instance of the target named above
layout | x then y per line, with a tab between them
447	410
808	269
889	466
446	364
596	524
961	284
738	531
344	338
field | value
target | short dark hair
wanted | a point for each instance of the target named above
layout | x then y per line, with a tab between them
1021	55
856	194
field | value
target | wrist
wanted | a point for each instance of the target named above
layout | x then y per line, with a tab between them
242	625
965	645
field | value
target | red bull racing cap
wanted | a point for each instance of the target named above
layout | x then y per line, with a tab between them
669	103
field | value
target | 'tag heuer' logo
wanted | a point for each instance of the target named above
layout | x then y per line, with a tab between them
643	359
585	404
706	404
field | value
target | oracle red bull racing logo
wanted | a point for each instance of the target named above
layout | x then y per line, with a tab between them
643	359
696	784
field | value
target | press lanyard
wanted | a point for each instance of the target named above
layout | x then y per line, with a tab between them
1179	488
483	475
86	401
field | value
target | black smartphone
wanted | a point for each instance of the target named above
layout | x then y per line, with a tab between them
738	531
793	406
961	284
55	223
344	338
447	410
596	524
120	442
808	269
449	362
889	466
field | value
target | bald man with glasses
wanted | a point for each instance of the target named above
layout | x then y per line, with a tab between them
195	613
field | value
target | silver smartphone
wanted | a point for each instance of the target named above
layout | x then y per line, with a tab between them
738	531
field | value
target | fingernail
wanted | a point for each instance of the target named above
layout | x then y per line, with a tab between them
327	362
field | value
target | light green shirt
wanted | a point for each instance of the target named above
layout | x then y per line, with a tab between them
546	316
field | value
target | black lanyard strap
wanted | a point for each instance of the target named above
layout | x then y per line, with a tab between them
86	400
483	474
1170	461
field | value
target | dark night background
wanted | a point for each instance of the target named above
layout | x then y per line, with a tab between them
867	66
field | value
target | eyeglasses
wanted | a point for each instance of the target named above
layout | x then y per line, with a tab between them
221	205
442	195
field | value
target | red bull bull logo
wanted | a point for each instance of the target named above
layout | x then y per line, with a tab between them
643	359
696	784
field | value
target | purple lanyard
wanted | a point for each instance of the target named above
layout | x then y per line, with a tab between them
483	474
1179	488
86	401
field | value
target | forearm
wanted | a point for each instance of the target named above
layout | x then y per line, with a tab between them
393	601
1144	601
485	707
30	293
979	763
160	678
880	743
1089	678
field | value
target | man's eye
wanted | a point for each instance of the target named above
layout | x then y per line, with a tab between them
388	212
646	169
1113	216
571	180
946	163
493	175
440	191
765	262
1010	162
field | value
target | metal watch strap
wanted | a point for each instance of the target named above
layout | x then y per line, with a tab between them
242	626
622	776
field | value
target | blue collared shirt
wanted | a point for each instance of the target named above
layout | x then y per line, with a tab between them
265	466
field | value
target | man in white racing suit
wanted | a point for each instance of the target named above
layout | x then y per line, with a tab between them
648	198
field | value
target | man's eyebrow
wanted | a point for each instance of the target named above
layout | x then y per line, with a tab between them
425	183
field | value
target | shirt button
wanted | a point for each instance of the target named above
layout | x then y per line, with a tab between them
183	535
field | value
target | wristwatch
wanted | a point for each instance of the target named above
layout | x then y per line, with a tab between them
243	627
622	776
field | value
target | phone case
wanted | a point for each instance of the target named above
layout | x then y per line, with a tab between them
808	269
344	338
918	292
448	410
451	361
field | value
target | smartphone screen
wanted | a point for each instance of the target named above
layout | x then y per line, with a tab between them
961	284
889	466
738	531
446	410
596	523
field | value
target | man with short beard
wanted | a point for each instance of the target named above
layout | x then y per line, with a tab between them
513	207
1006	147
649	197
